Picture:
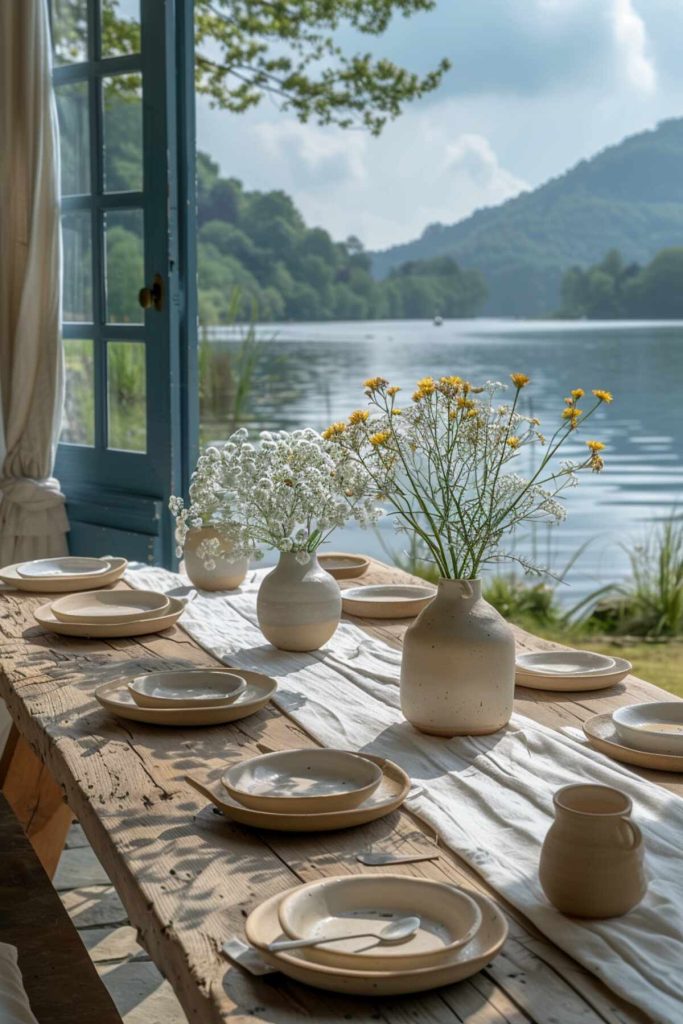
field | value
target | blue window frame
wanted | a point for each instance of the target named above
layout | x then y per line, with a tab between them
123	81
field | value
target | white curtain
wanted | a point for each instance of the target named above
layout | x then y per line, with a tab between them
33	521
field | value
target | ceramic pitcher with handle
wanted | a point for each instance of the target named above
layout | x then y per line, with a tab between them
592	858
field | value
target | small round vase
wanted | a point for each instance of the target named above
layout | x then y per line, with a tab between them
458	665
298	606
228	572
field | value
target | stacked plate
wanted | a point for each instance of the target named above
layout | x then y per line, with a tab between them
308	790
195	697
444	934
60	575
647	735
110	613
387	601
569	670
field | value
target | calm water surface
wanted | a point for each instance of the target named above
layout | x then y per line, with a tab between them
311	375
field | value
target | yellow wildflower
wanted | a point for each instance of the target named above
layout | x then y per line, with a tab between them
375	383
513	442
359	416
450	383
569	401
534	421
595	446
452	415
465	403
604	396
520	380
471	413
397	412
578	393
597	463
572	413
393	390
334	430
380	438
425	387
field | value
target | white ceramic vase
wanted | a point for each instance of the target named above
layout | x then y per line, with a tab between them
458	665
228	572
298	606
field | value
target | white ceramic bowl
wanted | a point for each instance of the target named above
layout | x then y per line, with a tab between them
656	727
309	780
111	606
564	663
449	919
66	565
198	688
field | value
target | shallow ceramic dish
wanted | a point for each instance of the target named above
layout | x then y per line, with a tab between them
602	734
111	606
564	663
449	919
305	781
567	684
344	567
656	727
390	794
48	620
117	698
67	565
200	687
63	584
263	927
387	601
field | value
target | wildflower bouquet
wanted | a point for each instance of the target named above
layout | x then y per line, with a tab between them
446	464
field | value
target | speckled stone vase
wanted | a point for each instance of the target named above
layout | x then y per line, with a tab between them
227	573
298	606
458	665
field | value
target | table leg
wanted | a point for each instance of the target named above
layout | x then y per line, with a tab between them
36	800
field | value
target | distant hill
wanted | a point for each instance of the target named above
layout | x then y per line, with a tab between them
629	197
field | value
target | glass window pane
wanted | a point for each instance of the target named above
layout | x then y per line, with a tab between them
124	250
127	396
74	133
77	269
70	31
120	27
78	423
122	98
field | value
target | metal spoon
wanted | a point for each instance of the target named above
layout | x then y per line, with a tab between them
377	859
396	931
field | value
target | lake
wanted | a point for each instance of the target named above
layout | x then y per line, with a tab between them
311	375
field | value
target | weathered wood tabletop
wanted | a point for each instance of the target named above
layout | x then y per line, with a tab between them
188	877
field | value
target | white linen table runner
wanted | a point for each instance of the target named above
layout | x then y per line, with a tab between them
489	798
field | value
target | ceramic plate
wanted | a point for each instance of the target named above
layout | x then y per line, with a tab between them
564	663
448	917
388	601
111	606
389	795
656	727
117	698
344	567
63	584
263	926
602	733
567	684
308	781
68	565
48	620
201	687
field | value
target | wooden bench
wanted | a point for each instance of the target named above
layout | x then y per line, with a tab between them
61	981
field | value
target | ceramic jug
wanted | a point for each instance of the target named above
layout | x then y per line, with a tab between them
458	664
592	858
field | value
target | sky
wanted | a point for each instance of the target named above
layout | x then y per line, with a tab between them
536	85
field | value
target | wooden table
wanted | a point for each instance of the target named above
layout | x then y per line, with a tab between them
188	877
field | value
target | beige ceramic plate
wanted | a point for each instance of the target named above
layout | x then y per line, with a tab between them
200	687
48	620
310	780
601	732
117	698
449	919
656	727
263	927
389	795
387	601
66	565
344	567
63	584
564	663
567	684
111	606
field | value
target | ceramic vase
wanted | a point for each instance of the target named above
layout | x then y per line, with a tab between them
298	605
458	665
228	572
592	857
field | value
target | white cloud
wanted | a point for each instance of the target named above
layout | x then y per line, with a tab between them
630	36
318	155
473	157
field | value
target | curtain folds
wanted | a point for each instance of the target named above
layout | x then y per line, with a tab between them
32	517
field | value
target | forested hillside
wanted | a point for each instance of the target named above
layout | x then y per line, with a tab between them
614	289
